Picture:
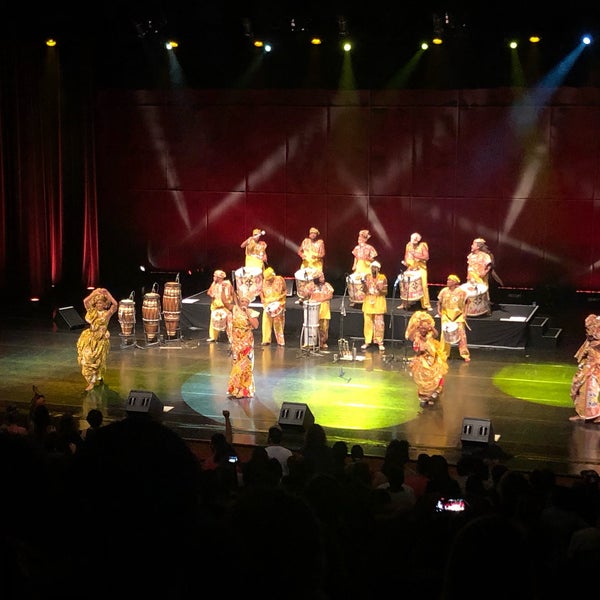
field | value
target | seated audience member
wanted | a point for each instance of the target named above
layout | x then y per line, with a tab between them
276	449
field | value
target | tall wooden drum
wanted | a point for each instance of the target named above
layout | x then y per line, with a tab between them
151	314
126	315
172	306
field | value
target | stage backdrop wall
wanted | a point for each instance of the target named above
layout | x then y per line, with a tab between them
184	176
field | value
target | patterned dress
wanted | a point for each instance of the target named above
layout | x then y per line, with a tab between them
374	308
241	377
312	253
585	386
93	345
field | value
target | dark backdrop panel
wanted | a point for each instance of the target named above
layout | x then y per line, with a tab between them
306	165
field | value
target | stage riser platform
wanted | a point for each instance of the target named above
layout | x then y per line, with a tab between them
507	327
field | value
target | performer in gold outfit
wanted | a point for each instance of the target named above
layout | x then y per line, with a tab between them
429	365
416	255
452	308
312	251
585	385
219	314
93	344
364	254
273	296
374	306
256	250
244	321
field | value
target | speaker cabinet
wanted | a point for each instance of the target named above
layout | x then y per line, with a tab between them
67	316
476	431
141	402
295	416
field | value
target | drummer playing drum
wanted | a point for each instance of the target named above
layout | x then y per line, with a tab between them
255	249
273	296
416	255
219	288
452	308
322	292
312	251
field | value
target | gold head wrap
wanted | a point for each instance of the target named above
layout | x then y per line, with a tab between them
314	230
219	273
364	233
455	278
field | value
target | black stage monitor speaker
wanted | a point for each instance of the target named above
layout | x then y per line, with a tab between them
295	415
68	316
476	431
141	402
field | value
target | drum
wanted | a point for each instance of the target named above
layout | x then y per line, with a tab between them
356	291
411	286
248	282
126	314
303	278
219	319
310	329
450	332
172	297
479	301
274	309
151	314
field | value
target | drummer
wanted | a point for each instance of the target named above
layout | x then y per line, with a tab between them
364	254
273	296
256	250
416	255
452	308
321	291
480	263
219	288
312	251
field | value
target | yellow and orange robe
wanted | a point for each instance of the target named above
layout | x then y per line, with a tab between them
93	345
364	255
429	364
273	290
585	385
478	267
312	253
241	376
374	307
216	291
415	259
452	307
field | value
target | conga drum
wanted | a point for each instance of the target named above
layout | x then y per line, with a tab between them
411	286
172	306
274	309
248	282
303	278
356	290
450	332
126	314
151	314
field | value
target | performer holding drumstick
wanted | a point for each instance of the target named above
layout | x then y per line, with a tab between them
416	255
452	308
273	296
256	250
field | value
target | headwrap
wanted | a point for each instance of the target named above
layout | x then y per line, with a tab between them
479	241
256	231
376	263
219	273
314	230
454	278
269	272
364	233
416	235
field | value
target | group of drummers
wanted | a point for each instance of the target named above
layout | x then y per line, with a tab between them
257	280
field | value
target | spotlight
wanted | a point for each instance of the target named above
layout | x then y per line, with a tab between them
424	46
437	41
347	46
534	39
171	44
50	42
586	39
513	44
316	41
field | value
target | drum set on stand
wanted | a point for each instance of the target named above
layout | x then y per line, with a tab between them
309	336
151	316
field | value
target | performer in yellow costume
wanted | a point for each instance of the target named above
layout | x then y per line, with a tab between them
220	286
429	365
273	296
374	306
93	344
312	251
364	254
256	250
452	308
416	255
585	385
321	291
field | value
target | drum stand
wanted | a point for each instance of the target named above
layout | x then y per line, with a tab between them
389	358
345	352
127	340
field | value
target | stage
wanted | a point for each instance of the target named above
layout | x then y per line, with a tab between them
508	326
520	389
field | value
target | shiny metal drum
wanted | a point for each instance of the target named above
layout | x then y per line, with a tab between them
310	329
411	286
479	299
450	332
303	278
356	291
248	282
274	309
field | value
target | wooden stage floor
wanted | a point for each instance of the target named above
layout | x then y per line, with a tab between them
522	393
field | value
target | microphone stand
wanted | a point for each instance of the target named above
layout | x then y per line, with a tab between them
399	281
344	350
